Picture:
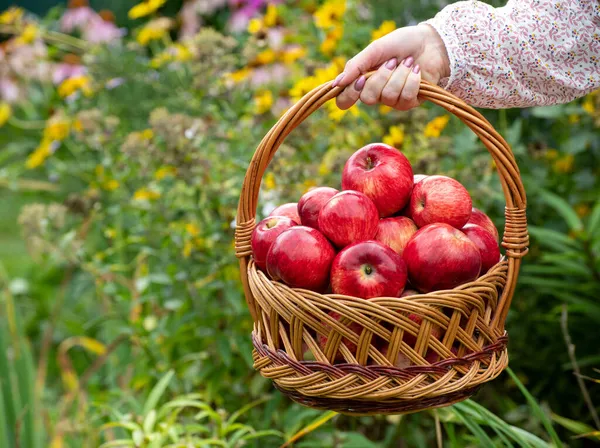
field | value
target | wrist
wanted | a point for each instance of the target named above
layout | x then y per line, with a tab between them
434	44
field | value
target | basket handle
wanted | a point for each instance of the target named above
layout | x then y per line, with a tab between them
515	239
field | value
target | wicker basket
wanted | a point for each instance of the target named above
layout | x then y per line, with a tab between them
287	322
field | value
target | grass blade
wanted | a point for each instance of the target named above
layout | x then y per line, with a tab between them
157	392
310	428
537	410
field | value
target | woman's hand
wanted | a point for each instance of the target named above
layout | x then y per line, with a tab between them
403	56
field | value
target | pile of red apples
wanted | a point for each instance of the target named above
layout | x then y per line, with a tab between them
387	233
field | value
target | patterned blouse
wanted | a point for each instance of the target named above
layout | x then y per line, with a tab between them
527	53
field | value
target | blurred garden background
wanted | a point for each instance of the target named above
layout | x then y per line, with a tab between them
125	132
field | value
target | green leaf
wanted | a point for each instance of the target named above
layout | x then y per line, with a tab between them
593	226
149	421
121	443
535	407
553	239
563	208
548	112
157	392
357	440
578	428
482	438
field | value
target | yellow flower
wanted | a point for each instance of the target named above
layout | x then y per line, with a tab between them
386	28
41	153
332	39
336	114
574	118
11	15
588	105
77	125
308	184
263	101
582	210
5	113
239	75
291	55
110	233
551	154
29	34
395	136
564	164
111	185
56	129
269	181
383	109
177	52
77	83
145	194
303	86
329	14
271	16
435	127
265	57
145	8
192	229
165	171
154	30
255	26
147	134
324	169
191	244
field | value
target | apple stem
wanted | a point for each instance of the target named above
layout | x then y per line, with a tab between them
368	270
369	163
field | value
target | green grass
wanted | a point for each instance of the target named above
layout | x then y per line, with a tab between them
13	252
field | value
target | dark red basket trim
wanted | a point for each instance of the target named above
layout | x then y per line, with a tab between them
363	407
280	358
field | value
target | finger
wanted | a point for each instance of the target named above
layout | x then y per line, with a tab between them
350	95
408	97
375	84
370	57
393	88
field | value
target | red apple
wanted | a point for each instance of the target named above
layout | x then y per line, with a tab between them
486	243
381	172
301	257
418	178
311	203
411	340
481	219
264	235
348	217
439	256
395	232
440	199
352	326
289	210
368	269
402	361
409	292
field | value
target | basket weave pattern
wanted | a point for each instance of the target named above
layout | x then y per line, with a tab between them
460	338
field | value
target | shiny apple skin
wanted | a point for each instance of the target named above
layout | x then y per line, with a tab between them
311	203
486	243
439	257
368	269
395	232
418	178
381	172
348	217
301	257
264	235
481	219
440	199
290	210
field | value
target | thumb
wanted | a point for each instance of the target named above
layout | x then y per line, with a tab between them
372	56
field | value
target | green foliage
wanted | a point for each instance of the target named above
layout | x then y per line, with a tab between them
125	280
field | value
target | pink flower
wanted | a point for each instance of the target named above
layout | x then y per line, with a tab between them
77	18
100	30
268	74
247	9
65	71
9	90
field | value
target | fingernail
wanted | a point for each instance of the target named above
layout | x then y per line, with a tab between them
409	61
338	79
360	83
416	69
391	64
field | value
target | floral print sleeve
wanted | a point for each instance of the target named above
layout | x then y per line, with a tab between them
527	53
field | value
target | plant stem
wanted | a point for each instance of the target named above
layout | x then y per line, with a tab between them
50	36
571	351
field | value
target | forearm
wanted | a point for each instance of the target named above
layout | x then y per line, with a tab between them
528	53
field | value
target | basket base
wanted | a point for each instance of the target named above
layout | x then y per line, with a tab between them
369	407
